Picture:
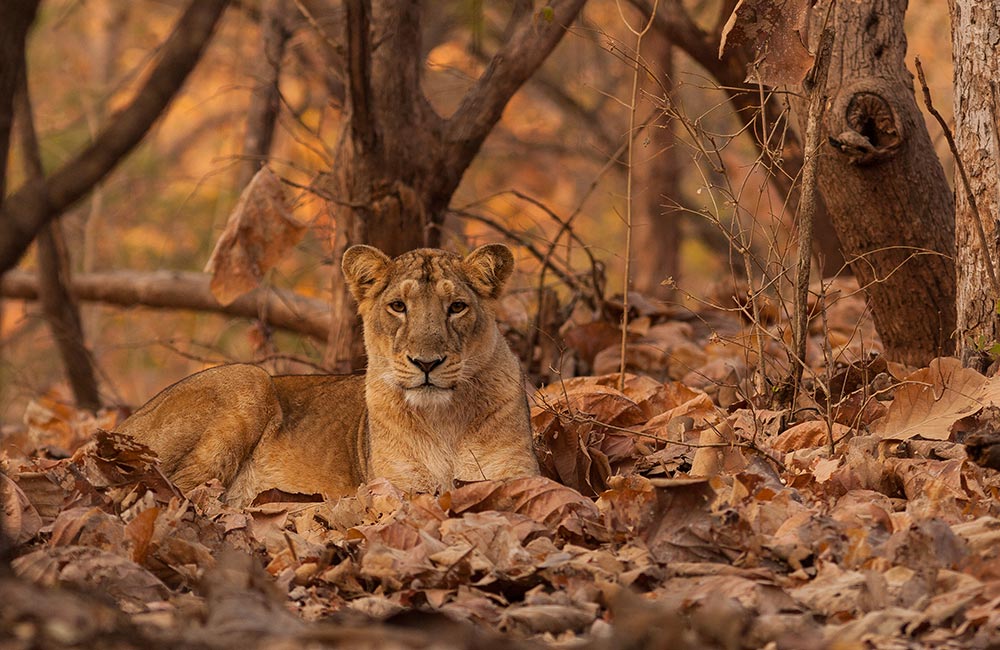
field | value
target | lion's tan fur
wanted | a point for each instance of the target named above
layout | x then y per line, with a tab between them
464	419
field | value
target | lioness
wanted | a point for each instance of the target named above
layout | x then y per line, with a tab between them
442	399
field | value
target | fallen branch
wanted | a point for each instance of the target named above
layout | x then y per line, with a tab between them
183	290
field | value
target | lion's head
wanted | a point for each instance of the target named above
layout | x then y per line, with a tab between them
429	318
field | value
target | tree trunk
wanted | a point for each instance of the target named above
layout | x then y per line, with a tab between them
15	21
977	135
659	222
265	99
399	162
883	184
61	310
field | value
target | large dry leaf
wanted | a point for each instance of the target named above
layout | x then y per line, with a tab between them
594	398
835	592
982	535
498	536
88	527
139	533
628	506
260	230
681	524
85	567
933	399
46	495
929	544
770	30
813	433
551	619
568	452
681	402
716	452
19	521
243	602
538	498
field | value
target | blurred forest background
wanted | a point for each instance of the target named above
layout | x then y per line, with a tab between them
556	157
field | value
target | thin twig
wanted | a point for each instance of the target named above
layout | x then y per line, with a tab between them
636	67
970	197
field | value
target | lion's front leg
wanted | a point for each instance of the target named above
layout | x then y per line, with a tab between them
502	447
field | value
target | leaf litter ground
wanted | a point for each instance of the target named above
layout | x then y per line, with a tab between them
674	513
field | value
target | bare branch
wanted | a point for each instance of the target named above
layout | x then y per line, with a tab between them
61	310
183	290
530	42
15	21
265	99
34	204
815	87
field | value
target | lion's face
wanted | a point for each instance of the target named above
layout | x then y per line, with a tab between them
428	316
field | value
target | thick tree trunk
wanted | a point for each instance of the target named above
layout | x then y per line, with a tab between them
399	162
58	304
62	313
15	21
977	135
883	184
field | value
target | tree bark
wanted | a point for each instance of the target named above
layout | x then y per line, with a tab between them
883	184
400	162
15	21
265	99
183	290
977	135
659	222
34	204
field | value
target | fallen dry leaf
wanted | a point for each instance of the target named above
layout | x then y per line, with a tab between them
931	400
814	433
20	521
85	567
540	499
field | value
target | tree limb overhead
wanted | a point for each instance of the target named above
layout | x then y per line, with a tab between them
530	42
34	204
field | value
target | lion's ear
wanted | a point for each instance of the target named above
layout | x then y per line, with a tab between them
489	267
363	267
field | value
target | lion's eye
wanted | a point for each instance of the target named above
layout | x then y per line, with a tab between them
398	306
457	307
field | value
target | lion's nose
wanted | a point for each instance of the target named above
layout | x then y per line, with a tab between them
427	364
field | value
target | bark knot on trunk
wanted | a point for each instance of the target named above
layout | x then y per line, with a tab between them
868	127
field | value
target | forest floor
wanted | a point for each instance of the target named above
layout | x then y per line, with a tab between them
682	511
